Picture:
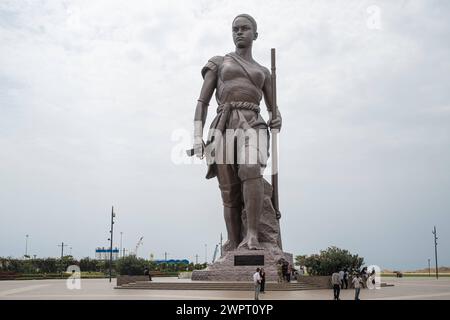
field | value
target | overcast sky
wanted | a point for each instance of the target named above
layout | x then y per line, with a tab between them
94	96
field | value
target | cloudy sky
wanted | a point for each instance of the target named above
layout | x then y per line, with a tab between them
97	99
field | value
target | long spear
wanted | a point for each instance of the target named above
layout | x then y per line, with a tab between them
275	201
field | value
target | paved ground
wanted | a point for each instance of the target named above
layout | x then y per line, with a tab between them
404	289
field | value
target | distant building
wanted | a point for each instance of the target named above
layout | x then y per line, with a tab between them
185	261
104	253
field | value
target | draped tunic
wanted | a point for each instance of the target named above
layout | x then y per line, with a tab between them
239	91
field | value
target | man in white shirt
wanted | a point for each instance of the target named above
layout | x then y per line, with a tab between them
257	282
357	284
336	282
341	278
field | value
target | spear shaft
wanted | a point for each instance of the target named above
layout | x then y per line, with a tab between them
275	202
274	137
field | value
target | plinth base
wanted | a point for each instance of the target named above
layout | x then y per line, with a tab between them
240	265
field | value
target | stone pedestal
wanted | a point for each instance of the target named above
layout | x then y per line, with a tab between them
225	269
240	264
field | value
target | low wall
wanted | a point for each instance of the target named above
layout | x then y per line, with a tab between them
121	280
320	281
185	275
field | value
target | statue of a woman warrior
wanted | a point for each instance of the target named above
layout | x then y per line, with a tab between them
240	83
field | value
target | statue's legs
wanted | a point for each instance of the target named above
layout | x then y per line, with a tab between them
253	196
233	223
241	185
230	188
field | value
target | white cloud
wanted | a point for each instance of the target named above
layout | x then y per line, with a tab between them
90	93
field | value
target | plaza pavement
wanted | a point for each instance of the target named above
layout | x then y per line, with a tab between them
102	289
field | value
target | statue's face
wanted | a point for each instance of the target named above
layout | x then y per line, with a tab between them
243	33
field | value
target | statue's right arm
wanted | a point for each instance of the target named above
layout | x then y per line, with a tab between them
201	111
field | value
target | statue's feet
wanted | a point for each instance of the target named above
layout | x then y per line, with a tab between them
250	242
229	246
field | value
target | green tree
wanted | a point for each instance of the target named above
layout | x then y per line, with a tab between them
330	260
300	260
131	265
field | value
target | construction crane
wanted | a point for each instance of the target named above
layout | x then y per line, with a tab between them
140	242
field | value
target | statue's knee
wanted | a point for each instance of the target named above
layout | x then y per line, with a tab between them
249	171
231	195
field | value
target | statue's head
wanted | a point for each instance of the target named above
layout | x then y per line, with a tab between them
244	30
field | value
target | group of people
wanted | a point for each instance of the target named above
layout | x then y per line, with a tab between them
286	271
339	280
259	279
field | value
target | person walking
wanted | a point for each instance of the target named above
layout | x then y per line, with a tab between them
372	276
341	278
284	269
257	282
289	273
280	272
147	273
346	278
302	271
364	276
357	281
262	273
336	282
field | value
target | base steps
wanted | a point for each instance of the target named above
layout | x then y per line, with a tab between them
216	286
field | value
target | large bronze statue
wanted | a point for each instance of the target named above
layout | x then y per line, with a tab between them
239	83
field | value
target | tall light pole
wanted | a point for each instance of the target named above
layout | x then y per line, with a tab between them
429	268
111	243
435	251
121	243
165	257
196	259
26	246
62	245
70	252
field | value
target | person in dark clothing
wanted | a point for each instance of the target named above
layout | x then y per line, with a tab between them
346	278
284	269
262	273
364	276
147	273
288	273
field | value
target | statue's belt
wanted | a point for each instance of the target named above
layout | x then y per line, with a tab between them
238	105
224	110
223	113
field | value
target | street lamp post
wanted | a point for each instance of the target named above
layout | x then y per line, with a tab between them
435	251
111	243
26	246
206	253
429	268
62	245
121	243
